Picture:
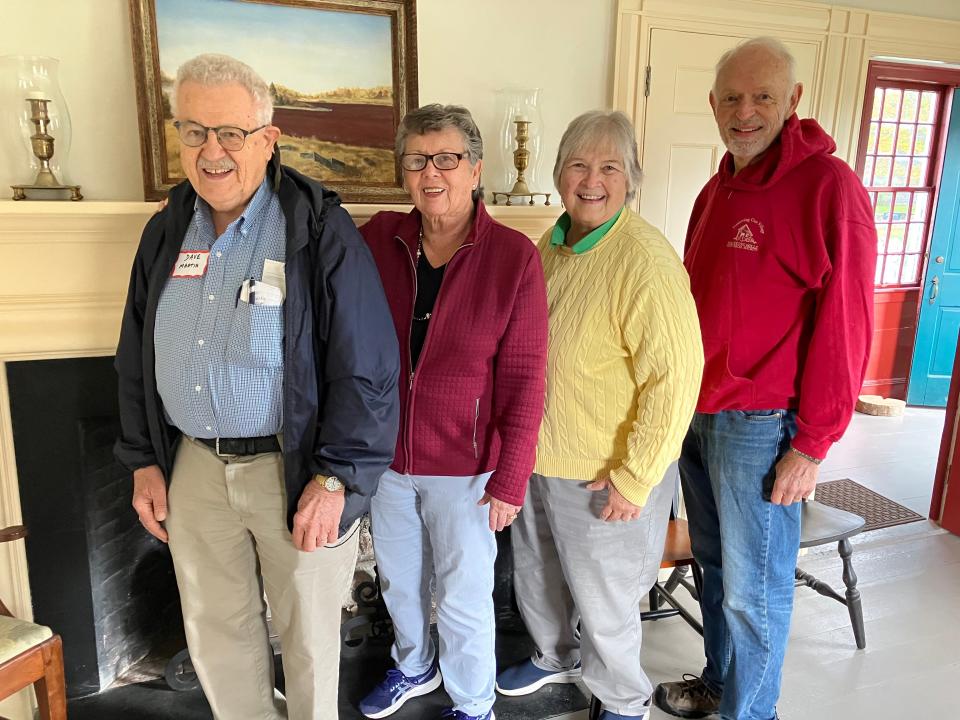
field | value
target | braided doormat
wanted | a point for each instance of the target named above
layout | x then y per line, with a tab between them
878	511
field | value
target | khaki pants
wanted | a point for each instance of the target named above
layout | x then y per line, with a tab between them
230	542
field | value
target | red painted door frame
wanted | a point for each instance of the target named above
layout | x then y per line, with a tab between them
945	503
896	309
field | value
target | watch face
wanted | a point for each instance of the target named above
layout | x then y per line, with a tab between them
333	484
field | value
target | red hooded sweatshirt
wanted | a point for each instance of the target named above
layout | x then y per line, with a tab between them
781	261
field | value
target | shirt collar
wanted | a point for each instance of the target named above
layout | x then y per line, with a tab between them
562	227
251	212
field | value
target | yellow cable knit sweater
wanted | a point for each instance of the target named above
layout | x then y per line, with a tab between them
624	359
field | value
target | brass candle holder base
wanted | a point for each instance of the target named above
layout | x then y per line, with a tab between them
20	191
510	195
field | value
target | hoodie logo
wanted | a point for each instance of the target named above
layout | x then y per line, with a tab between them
747	234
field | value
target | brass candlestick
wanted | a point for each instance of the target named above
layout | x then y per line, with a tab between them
521	160
42	143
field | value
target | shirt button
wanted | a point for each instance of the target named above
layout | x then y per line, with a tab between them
210	297
200	342
198	388
209	428
219	254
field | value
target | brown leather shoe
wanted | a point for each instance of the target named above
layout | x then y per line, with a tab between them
687	698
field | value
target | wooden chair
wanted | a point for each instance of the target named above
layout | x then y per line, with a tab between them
821	524
31	654
677	555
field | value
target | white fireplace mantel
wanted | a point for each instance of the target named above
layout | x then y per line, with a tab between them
64	269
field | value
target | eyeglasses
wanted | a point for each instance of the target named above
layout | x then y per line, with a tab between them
193	134
441	161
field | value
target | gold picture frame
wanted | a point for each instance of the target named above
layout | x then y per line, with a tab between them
338	114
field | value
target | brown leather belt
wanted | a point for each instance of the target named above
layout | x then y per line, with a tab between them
243	446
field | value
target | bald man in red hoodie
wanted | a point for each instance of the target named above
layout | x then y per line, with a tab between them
781	251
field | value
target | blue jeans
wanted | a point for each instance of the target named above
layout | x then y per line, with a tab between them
747	548
429	529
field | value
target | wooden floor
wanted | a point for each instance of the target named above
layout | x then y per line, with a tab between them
910	580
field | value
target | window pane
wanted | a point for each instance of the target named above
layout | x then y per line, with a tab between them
891	270
877	103
881	173
872	138
911	102
910	270
901	166
876	279
928	107
884	201
919	210
882	230
868	170
918	173
905	140
898	232
922	145
885	144
891	104
915	237
900	207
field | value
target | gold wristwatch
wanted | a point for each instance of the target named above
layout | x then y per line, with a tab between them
330	483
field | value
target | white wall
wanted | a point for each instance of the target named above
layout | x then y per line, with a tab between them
467	50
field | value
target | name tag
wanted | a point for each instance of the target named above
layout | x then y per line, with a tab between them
192	263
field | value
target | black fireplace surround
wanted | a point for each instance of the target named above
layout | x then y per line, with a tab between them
95	576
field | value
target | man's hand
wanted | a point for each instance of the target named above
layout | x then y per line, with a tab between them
617	507
501	513
796	479
317	520
150	500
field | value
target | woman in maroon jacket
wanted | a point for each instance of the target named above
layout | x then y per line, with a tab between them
469	305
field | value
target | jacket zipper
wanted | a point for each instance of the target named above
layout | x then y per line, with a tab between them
476	420
408	435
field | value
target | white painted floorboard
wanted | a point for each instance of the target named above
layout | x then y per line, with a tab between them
910	583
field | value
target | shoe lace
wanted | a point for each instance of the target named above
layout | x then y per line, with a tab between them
694	687
395	679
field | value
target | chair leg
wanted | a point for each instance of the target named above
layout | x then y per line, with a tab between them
654	598
50	689
853	595
697	573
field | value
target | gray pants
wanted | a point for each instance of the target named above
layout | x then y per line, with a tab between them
570	566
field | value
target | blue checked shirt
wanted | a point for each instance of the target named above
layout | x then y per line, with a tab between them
219	359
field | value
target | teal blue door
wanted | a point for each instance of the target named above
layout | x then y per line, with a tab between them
940	294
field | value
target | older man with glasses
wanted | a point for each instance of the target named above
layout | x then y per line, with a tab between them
258	398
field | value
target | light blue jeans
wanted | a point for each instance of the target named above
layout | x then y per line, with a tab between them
430	527
747	548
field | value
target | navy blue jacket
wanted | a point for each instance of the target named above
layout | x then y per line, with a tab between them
341	360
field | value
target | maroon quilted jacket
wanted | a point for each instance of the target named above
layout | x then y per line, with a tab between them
476	400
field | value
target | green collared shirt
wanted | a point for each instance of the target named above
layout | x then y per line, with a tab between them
560	230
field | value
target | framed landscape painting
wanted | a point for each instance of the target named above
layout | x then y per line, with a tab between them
342	73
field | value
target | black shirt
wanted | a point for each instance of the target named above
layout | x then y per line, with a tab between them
428	287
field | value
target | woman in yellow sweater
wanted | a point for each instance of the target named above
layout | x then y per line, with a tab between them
623	374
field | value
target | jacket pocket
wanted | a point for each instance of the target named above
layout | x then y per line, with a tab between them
476	420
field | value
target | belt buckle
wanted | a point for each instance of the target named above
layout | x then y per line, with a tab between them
217	449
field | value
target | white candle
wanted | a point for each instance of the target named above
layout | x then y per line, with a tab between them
36	95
